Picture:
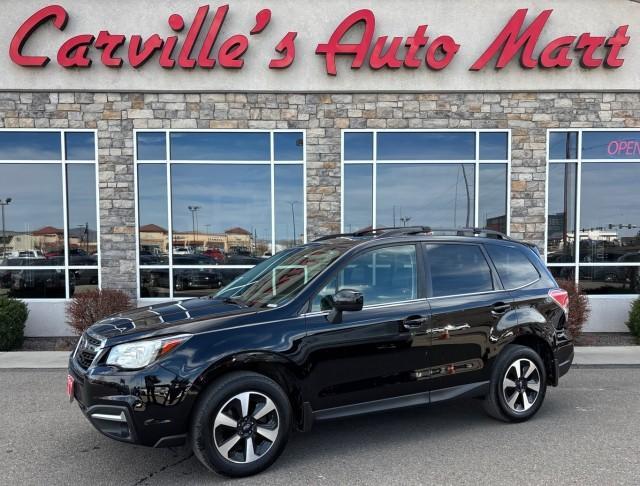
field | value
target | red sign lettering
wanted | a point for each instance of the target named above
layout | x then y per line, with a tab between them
516	40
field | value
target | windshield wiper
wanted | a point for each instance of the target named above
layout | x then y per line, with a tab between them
233	300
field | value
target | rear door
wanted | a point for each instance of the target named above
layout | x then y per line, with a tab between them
467	301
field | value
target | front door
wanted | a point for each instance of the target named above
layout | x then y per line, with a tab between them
466	302
380	351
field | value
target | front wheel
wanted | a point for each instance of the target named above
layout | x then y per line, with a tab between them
241	424
518	385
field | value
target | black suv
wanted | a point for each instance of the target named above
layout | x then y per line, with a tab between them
345	325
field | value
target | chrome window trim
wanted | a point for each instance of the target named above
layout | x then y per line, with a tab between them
370	306
467	295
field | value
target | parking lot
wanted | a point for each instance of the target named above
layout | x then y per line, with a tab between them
588	432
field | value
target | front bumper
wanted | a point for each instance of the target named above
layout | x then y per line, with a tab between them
149	407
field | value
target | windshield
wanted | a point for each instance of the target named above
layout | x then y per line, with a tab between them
237	286
284	280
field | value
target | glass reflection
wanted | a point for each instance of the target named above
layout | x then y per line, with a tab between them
492	200
152	214
30	145
154	283
33	284
563	273
151	145
33	231
494	146
222	212
288	146
358	146
80	146
198	282
610	280
358	197
561	222
82	281
436	195
563	145
426	146
611	145
289	206
221	146
81	201
610	213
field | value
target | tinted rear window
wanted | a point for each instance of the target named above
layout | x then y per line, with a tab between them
458	269
514	268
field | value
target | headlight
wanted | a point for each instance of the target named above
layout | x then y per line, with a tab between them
138	354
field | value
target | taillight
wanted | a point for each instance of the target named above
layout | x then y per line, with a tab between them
560	297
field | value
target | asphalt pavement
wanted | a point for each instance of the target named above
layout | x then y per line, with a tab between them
587	432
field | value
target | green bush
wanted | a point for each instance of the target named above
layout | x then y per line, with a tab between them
13	315
634	319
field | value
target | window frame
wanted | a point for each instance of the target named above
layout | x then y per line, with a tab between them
579	161
477	163
63	162
168	163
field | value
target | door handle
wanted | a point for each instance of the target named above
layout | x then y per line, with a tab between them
414	322
500	308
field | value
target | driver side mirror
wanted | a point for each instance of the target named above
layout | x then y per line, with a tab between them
345	300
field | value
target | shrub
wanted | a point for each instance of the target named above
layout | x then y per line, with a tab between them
13	316
86	308
634	319
579	308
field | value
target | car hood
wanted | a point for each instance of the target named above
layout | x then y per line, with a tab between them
166	315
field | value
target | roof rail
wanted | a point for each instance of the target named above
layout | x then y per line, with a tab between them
416	230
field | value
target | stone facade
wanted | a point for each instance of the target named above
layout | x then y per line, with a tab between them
322	116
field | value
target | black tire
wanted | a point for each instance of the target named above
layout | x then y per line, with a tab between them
498	402
222	395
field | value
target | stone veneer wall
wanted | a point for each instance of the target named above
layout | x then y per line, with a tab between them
115	115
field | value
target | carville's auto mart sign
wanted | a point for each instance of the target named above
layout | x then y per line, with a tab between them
322	45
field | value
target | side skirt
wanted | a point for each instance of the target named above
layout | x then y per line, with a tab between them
417	399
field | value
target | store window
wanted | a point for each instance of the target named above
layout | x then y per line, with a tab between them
441	179
212	204
592	192
48	196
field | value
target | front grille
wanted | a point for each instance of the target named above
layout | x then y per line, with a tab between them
93	341
88	348
85	359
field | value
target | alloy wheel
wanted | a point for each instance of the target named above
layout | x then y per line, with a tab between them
246	427
521	385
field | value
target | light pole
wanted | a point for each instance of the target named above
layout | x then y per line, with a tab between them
405	220
4	203
85	236
194	210
293	219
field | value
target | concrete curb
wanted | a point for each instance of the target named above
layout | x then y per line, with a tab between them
34	360
607	356
585	357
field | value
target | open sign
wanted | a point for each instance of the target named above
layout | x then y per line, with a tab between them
625	148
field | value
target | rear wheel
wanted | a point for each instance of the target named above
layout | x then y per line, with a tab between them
518	385
241	424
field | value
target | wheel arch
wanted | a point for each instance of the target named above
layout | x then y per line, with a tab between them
269	364
544	350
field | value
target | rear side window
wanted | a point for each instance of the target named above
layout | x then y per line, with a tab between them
458	269
514	268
